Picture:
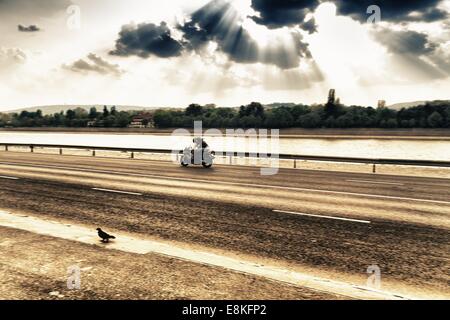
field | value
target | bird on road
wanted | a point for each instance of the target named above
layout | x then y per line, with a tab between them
105	237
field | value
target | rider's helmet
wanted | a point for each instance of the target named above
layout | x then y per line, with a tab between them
198	141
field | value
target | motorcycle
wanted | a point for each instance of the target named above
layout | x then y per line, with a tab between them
197	156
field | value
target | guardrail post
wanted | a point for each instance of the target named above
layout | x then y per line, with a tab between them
31	149
93	153
60	151
295	163
374	169
132	155
6	148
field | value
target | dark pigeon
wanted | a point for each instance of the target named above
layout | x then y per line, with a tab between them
105	237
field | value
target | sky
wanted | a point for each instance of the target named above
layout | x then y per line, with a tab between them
172	53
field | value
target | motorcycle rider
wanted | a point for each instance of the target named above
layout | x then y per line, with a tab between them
199	148
200	143
198	153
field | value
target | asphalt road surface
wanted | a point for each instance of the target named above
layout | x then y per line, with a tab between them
327	224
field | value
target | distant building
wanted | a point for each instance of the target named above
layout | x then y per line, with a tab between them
142	120
381	104
95	123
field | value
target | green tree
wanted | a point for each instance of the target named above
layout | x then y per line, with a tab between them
330	122
256	109
113	111
310	120
279	118
225	112
70	114
194	110
435	120
109	121
93	114
164	119
253	109
344	121
389	123
299	110
105	112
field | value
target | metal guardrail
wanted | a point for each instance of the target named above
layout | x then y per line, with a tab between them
295	158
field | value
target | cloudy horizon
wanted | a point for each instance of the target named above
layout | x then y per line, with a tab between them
173	53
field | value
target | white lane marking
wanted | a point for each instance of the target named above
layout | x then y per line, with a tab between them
376	196
321	216
10	178
377	182
139	245
118	191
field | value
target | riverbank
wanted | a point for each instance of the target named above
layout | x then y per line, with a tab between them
359	133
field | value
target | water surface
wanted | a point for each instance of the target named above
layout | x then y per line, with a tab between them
359	148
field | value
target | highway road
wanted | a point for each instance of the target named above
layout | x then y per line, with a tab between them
330	225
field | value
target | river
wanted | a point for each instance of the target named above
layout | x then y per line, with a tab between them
410	149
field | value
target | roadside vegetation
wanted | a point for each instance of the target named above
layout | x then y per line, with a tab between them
331	115
77	118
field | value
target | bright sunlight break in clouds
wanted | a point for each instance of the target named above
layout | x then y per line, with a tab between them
172	53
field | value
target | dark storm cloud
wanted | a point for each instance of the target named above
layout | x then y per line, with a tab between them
32	8
219	22
31	28
147	39
416	50
394	11
95	64
309	25
280	13
405	42
431	15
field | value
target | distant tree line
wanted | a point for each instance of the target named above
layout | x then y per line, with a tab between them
255	115
330	115
78	117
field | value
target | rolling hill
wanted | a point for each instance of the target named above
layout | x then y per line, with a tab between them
406	105
58	108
